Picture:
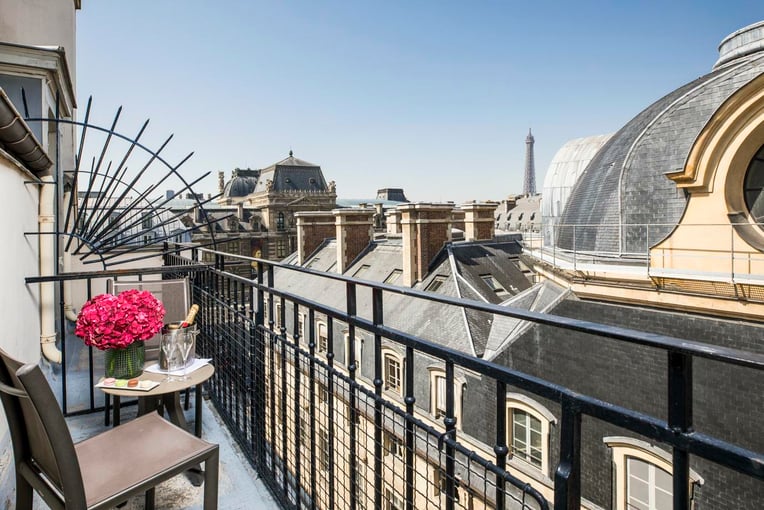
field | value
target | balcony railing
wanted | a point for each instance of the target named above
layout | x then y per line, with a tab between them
647	249
322	433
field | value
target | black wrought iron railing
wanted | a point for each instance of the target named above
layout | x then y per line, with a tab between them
327	426
323	436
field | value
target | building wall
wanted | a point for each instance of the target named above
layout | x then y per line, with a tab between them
19	302
40	23
611	371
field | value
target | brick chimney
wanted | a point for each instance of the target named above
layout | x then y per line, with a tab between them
479	220
354	229
312	228
426	228
393	221
457	218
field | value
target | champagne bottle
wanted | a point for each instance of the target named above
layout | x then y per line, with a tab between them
189	320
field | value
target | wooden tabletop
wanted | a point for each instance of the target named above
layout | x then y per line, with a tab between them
198	376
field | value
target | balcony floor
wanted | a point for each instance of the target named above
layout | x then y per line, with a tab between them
238	484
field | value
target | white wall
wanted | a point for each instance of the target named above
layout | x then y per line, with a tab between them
40	23
19	311
19	302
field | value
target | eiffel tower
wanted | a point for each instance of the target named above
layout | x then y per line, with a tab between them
529	182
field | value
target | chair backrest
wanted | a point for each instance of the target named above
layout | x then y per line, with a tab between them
43	449
174	295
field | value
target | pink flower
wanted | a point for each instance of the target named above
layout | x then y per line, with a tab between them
114	322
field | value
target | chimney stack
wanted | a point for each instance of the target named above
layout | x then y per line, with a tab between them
312	228
354	231
479	220
426	228
393	221
457	219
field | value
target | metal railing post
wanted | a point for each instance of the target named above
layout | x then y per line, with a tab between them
378	383
297	404
567	477
284	388
352	367
258	336
409	400
500	448
312	397
450	424
330	396
680	420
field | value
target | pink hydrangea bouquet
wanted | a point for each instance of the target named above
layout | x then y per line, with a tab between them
114	322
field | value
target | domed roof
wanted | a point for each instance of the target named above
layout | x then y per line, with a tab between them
625	185
242	183
566	167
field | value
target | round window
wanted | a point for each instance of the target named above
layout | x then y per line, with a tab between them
754	187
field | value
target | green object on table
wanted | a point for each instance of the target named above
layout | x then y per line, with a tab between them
125	363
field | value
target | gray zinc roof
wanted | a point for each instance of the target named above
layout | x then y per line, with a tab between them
625	183
291	174
242	183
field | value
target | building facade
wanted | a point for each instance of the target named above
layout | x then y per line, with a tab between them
264	203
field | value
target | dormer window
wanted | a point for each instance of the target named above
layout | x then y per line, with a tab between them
494	285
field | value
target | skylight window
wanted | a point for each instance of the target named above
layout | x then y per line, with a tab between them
361	271
436	283
393	276
494	285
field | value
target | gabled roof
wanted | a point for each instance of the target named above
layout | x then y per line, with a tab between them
460	269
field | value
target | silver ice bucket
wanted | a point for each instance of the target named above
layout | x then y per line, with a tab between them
176	361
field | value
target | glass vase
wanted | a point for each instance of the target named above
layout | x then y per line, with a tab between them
125	363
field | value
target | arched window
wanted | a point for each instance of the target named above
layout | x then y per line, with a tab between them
642	475
438	388
322	340
754	187
392	366
528	426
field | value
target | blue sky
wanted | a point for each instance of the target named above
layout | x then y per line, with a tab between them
433	97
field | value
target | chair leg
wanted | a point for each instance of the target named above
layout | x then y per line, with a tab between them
211	481
187	403
149	503
24	494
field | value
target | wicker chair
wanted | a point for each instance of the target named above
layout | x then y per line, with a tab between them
99	472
